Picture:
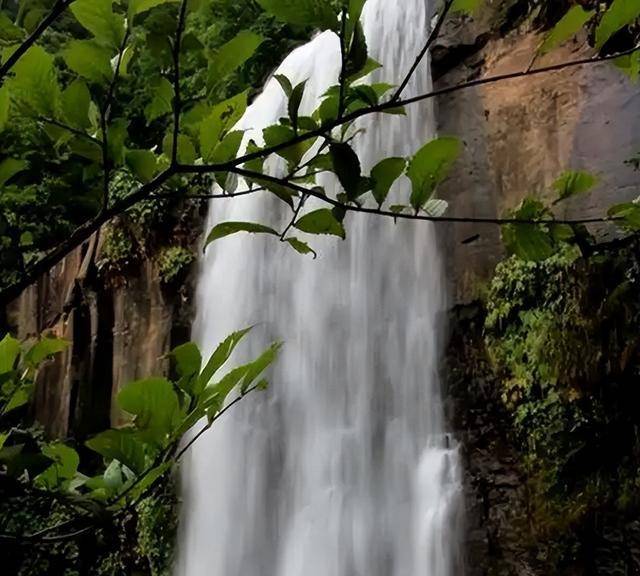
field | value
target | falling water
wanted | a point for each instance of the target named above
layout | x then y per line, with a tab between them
343	468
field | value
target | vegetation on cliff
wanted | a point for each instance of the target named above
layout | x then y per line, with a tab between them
562	336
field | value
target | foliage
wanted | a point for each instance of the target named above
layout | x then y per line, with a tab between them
137	456
563	339
173	263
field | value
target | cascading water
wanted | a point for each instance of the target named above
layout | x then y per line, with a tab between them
343	468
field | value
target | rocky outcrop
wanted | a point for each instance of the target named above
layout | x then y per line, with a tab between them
520	135
119	332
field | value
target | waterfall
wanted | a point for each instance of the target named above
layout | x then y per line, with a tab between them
342	468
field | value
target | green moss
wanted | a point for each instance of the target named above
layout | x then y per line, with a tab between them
563	340
174	263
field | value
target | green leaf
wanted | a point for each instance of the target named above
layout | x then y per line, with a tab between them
227	149
628	215
220	120
278	134
5	101
467	6
137	7
630	65
34	86
64	467
76	100
621	13
116	138
3	438
89	60
285	83
294	103
45	348
19	398
188	359
122	445
220	356
321	221
259	365
301	247
9	32
186	150
231	56
143	164
155	405
318	13
573	183
355	9
148	480
570	24
430	166
370	66
384	174
346	165
532	242
98	17
358	56
9	352
162	101
228	228
9	167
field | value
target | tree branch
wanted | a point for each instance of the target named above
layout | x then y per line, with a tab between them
70	129
402	216
430	40
177	101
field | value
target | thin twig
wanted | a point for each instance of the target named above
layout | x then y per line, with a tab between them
69	129
403	216
105	117
430	40
177	102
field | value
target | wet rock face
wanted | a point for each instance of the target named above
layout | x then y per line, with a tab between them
520	135
496	541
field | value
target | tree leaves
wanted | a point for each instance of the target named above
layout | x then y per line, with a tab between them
98	17
34	87
9	352
123	445
384	174
137	7
346	165
628	215
76	101
45	348
530	241
64	467
143	164
573	183
301	247
321	221
9	167
231	56
621	13
228	228
568	26
318	13
430	166
5	101
154	403
162	101
89	60
222	117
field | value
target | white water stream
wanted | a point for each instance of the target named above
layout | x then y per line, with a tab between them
343	468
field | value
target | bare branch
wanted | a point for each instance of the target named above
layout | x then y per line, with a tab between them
177	101
430	40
